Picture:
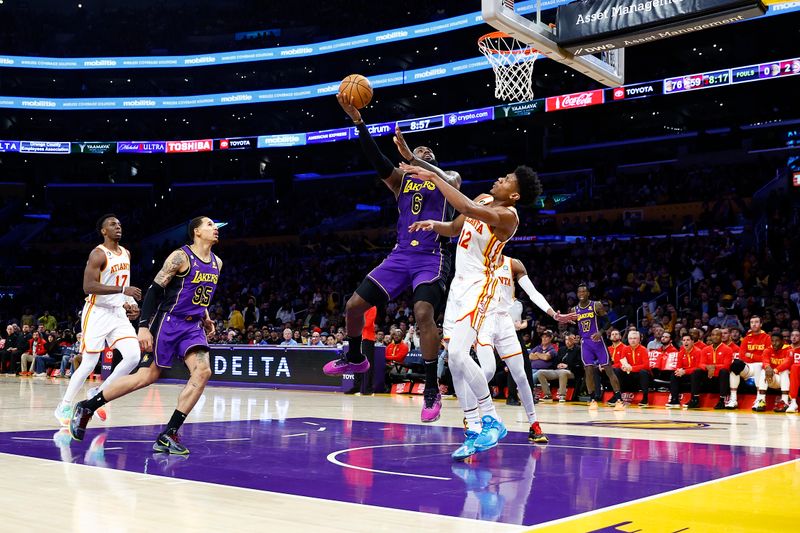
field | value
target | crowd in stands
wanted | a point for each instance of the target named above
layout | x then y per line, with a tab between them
285	294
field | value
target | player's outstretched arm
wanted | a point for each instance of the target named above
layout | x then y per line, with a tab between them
445	229
521	276
391	175
501	218
91	278
452	177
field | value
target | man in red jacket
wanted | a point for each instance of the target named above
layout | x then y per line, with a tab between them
632	366
794	371
714	369
777	360
668	362
727	340
688	361
750	360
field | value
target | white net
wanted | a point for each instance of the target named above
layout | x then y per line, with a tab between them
512	62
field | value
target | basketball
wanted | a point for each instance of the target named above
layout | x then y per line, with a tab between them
358	88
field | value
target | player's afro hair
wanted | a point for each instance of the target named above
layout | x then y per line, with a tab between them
530	188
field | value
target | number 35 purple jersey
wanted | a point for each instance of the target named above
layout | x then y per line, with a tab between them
189	295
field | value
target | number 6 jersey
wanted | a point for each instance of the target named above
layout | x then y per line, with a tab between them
189	294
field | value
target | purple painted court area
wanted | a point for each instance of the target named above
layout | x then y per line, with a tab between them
409	466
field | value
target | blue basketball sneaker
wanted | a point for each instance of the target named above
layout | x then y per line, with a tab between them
493	430
468	448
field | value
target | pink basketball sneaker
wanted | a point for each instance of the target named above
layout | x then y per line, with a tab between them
431	405
343	366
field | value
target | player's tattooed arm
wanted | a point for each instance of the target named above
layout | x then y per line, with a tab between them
175	263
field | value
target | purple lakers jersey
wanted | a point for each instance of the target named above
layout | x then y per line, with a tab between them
420	200
189	294
587	320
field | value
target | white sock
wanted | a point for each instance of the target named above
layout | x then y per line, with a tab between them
785	397
733	394
79	376
516	366
473	417
487	407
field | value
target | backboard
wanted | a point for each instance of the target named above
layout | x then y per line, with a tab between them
524	24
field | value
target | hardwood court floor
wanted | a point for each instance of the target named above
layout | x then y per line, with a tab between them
302	461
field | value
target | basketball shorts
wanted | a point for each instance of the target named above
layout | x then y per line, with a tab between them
403	269
498	331
104	326
174	337
468	300
594	352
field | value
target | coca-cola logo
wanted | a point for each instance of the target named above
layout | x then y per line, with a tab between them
571	101
619	93
578	100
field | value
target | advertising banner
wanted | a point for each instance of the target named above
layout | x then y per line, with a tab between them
237	143
575	100
141	147
200	145
594	26
44	147
286	366
94	148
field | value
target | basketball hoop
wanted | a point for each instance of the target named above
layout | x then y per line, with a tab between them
512	62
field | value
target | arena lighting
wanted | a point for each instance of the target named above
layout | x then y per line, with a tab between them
291	52
679	84
763	71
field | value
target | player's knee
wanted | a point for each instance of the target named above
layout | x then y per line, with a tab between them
145	377
204	374
737	366
356	304
423	313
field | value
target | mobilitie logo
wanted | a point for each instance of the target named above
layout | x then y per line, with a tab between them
100	63
199	60
139	103
430	73
38	103
297	51
391	35
236	98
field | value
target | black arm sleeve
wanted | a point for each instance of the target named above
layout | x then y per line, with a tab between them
152	299
379	162
603	323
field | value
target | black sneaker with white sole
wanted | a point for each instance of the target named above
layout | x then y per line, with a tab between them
170	443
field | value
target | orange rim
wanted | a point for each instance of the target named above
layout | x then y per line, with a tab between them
504	35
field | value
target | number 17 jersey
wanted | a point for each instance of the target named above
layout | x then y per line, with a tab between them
189	294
